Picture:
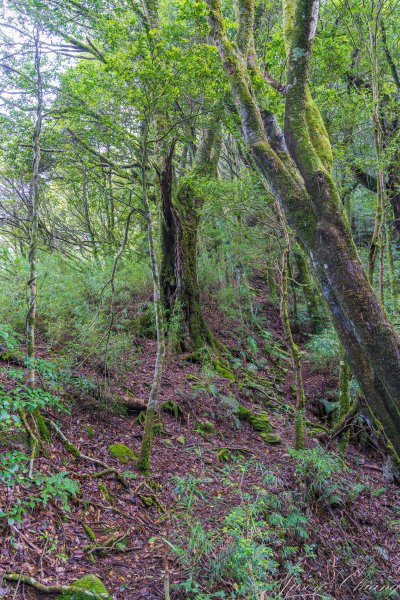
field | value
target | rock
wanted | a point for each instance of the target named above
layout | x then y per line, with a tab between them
271	438
89	583
122	452
260	421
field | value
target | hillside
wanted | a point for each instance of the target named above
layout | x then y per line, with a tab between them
224	510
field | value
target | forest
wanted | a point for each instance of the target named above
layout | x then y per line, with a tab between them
199	299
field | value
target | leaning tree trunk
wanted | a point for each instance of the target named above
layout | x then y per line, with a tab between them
314	210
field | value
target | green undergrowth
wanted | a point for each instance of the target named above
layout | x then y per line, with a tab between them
262	536
248	533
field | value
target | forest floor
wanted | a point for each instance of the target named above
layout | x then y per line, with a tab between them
351	549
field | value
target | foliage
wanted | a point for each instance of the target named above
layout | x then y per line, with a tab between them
9	341
324	349
23	398
320	475
40	489
261	540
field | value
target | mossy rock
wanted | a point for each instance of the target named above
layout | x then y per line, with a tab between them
122	452
260	422
205	428
89	583
271	438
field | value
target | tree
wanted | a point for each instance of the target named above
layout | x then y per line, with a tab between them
302	181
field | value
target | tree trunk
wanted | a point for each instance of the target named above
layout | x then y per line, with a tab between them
168	234
144	458
310	293
188	204
34	218
179	244
314	210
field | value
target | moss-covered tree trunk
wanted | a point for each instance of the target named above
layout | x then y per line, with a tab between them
310	293
181	219
168	235
303	184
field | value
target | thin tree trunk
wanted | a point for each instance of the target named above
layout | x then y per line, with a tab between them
377	237
293	347
344	399
34	196
144	458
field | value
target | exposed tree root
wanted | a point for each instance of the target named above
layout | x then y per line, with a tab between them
50	589
111	544
74	450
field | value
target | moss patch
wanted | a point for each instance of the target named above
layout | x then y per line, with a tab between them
223	371
260	422
271	438
122	452
88	583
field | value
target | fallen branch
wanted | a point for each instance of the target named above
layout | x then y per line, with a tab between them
342	425
109	545
50	589
74	450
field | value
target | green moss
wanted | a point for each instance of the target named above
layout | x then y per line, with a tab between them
90	430
42	426
205	428
72	449
158	428
224	455
141	418
223	370
122	452
89	583
271	438
260	422
104	492
89	532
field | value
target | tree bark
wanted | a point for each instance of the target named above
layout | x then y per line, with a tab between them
144	458
314	210
179	243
